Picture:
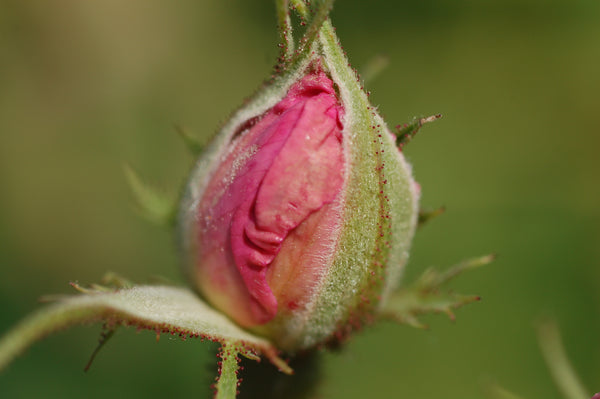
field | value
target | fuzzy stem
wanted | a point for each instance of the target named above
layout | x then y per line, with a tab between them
300	7
320	16
228	369
285	30
308	42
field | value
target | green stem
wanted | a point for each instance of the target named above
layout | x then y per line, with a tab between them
320	16
292	59
558	363
285	30
227	384
300	7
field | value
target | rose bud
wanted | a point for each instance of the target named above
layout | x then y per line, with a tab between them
297	221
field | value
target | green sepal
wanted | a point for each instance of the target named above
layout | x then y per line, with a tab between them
405	133
194	145
373	68
425	215
152	204
425	295
161	309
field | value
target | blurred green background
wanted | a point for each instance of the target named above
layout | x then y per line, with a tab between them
88	85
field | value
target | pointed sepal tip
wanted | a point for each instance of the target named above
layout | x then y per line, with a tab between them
405	133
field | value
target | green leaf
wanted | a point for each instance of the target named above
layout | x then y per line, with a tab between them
156	308
425	294
154	205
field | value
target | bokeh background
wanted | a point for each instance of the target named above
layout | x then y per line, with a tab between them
86	86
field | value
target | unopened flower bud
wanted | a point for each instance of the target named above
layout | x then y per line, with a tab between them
297	221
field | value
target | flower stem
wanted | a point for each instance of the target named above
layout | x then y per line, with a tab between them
554	353
300	7
260	380
285	30
227	385
320	16
307	43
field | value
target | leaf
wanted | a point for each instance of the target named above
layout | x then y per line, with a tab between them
425	295
157	308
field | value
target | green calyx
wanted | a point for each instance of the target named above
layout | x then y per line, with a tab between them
380	209
380	199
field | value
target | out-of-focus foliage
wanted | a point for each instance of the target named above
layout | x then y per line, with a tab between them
87	86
